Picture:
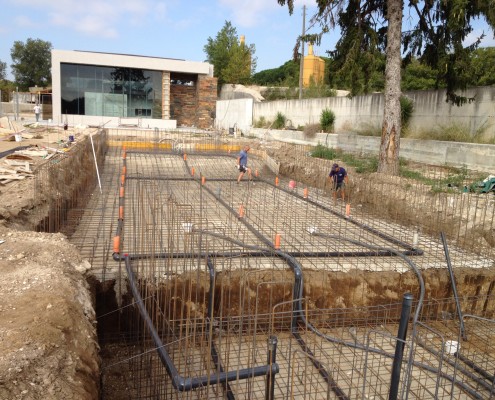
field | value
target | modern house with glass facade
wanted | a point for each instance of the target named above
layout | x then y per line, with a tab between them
93	88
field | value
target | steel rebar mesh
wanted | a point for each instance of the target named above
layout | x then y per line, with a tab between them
181	221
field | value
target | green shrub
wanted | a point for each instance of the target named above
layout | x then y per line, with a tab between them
324	152
261	123
279	122
327	120
406	110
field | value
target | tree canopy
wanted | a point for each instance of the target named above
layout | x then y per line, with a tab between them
436	35
31	63
233	61
3	70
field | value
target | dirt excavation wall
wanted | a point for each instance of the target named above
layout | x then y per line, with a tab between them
48	344
245	294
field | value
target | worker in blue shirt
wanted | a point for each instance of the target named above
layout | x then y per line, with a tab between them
338	177
242	164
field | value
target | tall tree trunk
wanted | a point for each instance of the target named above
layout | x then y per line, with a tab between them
391	127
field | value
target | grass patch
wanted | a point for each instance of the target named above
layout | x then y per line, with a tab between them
359	163
453	132
455	180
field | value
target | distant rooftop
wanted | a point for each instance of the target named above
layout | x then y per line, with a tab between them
130	55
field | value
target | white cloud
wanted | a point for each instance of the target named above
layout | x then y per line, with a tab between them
23	21
96	17
249	13
257	12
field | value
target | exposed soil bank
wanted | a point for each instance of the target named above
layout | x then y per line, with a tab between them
48	346
246	294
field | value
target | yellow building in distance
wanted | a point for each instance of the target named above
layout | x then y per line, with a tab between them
313	68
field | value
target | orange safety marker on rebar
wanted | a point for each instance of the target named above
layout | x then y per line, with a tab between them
185	156
348	209
305	193
122	189
124	170
203	180
277	241
256	173
116	244
276	181
122	179
192	171
121	212
241	211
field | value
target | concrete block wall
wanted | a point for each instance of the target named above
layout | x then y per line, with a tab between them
364	112
479	157
238	113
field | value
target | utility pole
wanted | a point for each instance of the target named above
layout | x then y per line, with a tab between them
301	61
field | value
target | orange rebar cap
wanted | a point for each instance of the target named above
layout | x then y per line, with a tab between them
116	244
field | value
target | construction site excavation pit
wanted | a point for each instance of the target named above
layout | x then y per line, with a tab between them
271	288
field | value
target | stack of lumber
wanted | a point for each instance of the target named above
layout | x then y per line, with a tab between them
14	170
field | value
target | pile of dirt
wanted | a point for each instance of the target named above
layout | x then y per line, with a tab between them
48	341
48	345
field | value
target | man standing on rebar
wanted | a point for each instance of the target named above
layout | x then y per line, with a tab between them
242	164
339	178
37	111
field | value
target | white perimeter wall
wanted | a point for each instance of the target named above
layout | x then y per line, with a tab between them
430	110
238	113
479	157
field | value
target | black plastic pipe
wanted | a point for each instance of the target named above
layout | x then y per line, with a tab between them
476	368
407	301
307	254
454	286
455	365
186	384
271	359
214	354
320	368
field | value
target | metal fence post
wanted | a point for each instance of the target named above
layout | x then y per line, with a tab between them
399	348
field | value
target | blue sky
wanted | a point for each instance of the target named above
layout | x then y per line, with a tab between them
162	28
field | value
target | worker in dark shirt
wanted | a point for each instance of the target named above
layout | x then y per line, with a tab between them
338	177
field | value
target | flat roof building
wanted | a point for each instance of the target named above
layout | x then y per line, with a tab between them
94	88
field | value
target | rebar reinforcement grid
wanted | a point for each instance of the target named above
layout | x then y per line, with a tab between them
214	264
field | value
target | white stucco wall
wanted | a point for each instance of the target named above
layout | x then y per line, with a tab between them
360	112
238	113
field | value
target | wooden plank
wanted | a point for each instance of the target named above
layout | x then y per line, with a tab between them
7	170
17	163
17	177
32	153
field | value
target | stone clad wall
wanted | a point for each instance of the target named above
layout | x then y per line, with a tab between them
194	105
183	104
207	99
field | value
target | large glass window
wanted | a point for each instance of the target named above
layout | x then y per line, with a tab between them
110	91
